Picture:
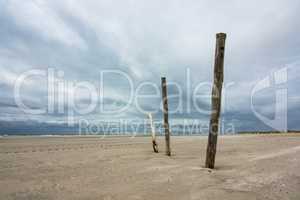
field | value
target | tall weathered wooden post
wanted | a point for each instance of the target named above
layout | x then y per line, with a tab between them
216	101
166	117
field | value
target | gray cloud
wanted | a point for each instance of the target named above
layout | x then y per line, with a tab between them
147	40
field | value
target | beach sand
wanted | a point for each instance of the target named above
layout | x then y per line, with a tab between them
247	167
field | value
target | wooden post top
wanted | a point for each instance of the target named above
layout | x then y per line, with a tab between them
221	35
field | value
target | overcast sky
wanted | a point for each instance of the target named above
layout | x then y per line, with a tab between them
147	40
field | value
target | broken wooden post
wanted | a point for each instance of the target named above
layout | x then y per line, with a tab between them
165	112
216	101
154	144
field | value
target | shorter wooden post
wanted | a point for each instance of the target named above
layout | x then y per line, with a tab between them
166	117
154	144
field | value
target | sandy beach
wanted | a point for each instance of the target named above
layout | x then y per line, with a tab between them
247	167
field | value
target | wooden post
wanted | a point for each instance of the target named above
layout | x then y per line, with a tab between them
154	144
166	117
216	101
